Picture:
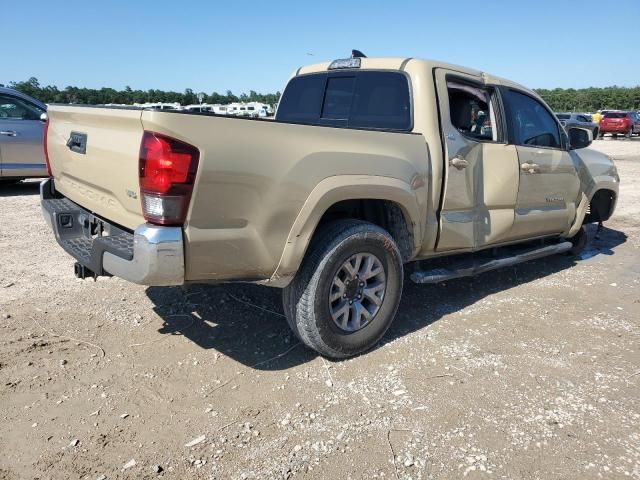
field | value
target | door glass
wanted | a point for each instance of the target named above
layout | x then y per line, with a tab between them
531	122
471	111
12	108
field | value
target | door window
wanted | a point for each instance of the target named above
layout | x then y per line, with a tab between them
531	122
12	108
471	111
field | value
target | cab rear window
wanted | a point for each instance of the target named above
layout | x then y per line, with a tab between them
363	99
615	115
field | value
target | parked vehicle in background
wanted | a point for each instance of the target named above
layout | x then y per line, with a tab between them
581	120
21	132
370	164
620	122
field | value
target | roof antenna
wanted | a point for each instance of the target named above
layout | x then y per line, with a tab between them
357	54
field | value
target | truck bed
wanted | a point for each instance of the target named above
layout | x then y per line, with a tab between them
254	176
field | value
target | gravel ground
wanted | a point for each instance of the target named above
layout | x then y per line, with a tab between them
530	372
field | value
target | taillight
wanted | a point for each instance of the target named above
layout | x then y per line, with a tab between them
167	171
46	149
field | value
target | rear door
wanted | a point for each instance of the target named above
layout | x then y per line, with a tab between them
21	130
481	171
549	182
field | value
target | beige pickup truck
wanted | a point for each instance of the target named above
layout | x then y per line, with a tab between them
370	165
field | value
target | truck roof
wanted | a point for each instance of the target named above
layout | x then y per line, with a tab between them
399	63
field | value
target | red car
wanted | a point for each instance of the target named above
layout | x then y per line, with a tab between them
626	123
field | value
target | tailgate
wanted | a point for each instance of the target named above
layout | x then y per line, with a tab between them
94	160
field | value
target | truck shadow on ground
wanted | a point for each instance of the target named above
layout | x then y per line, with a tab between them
246	322
19	189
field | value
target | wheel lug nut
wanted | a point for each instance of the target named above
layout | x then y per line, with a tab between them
362	284
350	302
344	295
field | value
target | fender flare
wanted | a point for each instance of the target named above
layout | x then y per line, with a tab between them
602	183
330	191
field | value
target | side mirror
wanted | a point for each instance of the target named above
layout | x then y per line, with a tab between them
579	138
43	117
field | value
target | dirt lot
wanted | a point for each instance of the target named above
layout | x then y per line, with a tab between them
525	373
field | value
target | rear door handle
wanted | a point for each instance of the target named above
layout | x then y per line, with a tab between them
530	167
9	133
459	163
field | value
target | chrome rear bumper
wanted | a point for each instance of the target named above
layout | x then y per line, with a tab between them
151	255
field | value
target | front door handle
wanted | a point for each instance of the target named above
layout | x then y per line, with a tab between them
530	167
459	163
9	133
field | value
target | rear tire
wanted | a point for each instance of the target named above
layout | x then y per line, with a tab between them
364	259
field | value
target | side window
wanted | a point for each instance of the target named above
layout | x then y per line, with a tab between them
531	122
471	111
13	108
302	99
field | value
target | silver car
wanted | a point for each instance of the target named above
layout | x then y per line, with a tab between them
580	120
22	120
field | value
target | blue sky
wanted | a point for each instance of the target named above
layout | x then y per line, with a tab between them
255	45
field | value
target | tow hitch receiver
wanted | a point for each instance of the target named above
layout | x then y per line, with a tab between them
83	272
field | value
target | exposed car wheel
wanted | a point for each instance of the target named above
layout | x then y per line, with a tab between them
629	134
346	293
579	241
596	132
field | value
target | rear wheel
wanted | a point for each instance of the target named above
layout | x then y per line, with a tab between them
346	293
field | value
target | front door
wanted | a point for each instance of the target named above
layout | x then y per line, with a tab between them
549	183
21	134
481	171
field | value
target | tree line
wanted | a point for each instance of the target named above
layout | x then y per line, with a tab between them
93	96
592	99
559	99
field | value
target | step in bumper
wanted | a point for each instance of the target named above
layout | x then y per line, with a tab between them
150	255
